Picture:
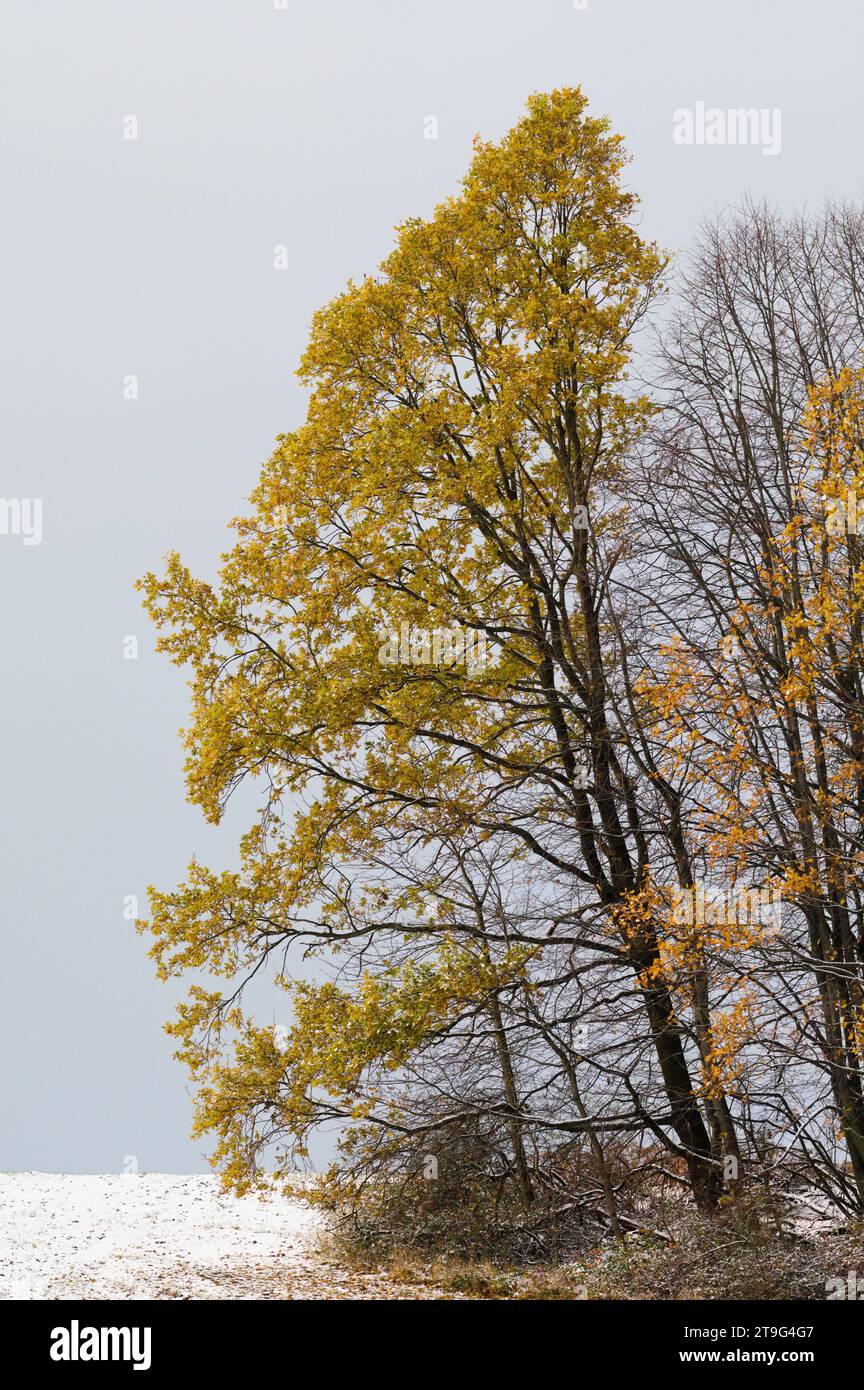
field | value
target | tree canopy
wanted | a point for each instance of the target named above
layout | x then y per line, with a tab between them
462	647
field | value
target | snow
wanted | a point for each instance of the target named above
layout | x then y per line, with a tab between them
159	1235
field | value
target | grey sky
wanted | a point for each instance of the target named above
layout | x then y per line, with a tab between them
258	127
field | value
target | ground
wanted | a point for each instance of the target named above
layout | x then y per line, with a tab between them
157	1235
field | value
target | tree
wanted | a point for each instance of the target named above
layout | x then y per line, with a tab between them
757	585
417	647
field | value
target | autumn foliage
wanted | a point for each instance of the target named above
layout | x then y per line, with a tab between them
580	914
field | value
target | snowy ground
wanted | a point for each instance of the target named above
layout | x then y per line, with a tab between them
161	1236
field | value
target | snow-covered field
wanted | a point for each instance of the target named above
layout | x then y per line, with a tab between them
158	1235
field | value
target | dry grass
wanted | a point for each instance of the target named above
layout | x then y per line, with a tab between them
724	1257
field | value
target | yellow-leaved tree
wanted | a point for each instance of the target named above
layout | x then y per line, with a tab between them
418	648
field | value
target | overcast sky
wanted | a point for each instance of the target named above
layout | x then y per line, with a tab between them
303	126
